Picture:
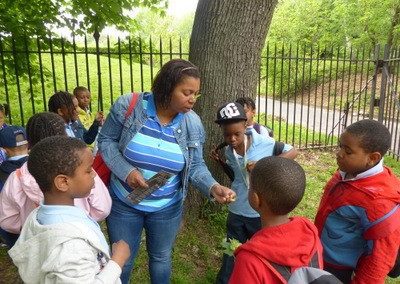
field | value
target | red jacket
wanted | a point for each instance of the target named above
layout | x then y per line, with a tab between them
377	195
292	244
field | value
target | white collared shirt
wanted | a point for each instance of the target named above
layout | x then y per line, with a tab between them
377	169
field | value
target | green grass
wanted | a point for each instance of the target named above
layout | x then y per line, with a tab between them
121	82
197	254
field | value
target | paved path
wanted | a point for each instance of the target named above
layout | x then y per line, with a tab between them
318	119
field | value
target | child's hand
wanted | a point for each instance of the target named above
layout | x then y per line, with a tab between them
215	155
120	252
250	166
100	117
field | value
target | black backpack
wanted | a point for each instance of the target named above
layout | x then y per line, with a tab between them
278	149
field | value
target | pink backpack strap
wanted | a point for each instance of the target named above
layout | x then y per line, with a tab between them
132	104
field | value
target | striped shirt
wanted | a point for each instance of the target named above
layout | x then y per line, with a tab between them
153	149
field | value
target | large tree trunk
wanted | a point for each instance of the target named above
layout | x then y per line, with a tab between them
226	44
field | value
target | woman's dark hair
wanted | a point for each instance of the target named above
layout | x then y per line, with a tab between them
60	99
42	125
4	108
171	74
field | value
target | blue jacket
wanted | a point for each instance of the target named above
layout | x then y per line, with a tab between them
88	136
261	146
118	131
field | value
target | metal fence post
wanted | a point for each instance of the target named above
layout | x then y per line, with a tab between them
384	65
373	87
96	36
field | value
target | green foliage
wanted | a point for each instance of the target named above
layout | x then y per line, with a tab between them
230	245
21	23
116	72
149	24
287	70
335	22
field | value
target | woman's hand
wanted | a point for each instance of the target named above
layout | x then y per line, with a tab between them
223	194
214	154
136	180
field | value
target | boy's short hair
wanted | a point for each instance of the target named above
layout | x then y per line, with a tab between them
42	125
280	182
80	89
53	156
249	102
373	135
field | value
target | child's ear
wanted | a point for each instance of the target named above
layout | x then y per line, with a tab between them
374	158
60	112
8	151
255	200
61	183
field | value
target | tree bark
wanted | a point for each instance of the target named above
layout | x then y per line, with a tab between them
226	44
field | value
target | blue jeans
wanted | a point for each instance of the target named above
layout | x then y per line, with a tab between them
9	238
242	229
161	227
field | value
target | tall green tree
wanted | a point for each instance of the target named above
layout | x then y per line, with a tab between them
336	22
24	24
38	17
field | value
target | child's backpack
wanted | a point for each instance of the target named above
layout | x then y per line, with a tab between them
278	149
257	128
307	274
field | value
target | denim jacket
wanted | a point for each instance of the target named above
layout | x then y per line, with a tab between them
117	131
88	136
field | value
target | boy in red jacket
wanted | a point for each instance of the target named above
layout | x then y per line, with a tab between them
276	187
359	218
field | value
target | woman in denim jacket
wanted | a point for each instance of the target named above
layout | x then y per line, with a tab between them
163	133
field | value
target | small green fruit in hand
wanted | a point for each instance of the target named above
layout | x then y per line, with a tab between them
230	246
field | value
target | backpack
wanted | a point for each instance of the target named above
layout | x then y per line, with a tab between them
278	149
257	128
98	163
303	275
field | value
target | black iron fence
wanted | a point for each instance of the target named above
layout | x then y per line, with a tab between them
309	94
306	94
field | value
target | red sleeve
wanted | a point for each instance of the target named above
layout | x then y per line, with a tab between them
373	268
249	269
